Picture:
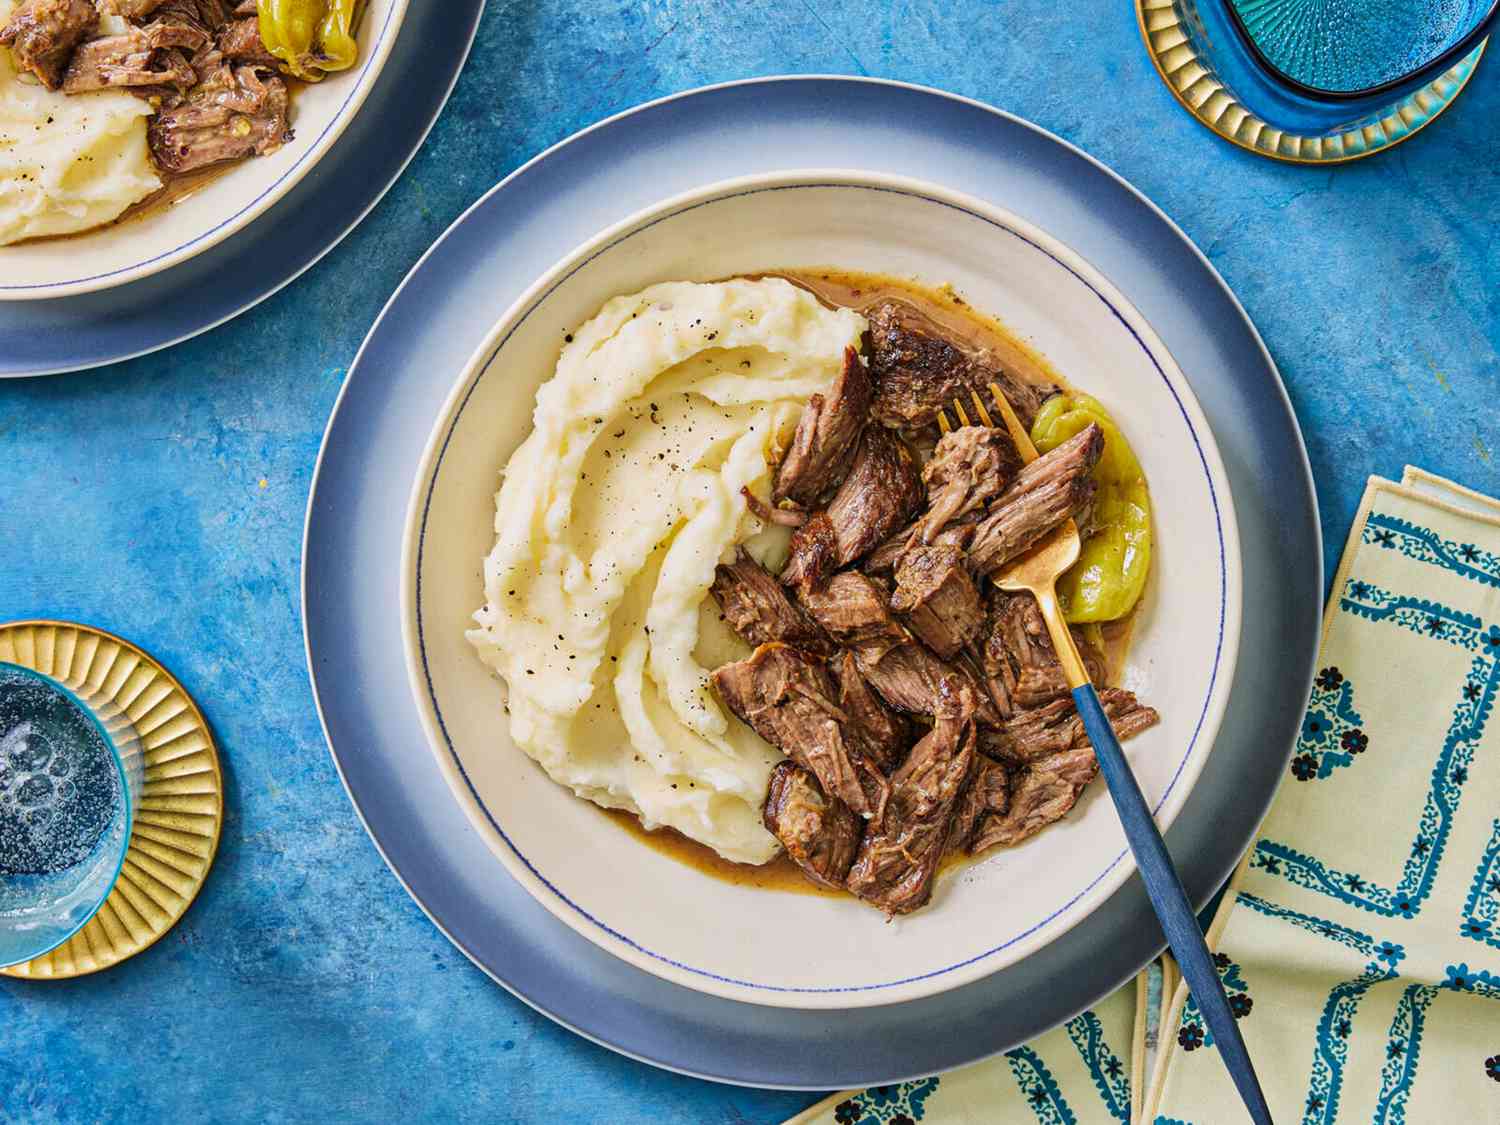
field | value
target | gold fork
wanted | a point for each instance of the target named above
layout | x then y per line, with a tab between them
1037	572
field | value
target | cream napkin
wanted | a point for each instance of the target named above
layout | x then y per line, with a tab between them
1360	939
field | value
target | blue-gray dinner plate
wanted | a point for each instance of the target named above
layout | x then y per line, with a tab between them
72	333
416	350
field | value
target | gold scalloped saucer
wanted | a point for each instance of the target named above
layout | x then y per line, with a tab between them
1201	93
181	810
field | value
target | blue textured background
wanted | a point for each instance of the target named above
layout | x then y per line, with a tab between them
163	499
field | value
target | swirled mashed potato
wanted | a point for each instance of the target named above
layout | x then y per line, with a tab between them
67	162
610	521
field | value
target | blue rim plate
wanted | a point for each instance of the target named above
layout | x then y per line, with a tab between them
443	310
49	337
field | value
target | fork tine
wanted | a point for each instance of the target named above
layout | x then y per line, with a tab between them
958	408
984	415
942	420
1017	431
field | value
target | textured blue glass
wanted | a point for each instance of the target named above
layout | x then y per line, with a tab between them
68	777
1347	46
1219	41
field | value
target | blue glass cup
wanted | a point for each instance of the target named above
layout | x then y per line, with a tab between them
1285	76
1334	50
70	779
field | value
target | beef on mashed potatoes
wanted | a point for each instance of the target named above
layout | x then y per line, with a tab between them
107	104
610	522
858	694
67	163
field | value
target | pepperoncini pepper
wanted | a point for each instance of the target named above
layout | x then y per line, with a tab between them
1110	574
310	37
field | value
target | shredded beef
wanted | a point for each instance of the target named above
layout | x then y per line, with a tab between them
899	855
1040	794
1029	735
1052	489
880	493
788	698
1019	662
938	599
855	610
969	467
236	112
42	34
879	732
918	372
988	792
820	833
826	437
757	607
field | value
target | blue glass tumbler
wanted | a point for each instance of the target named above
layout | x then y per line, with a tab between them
70	779
1316	81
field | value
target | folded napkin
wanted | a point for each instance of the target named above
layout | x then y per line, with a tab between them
1360	938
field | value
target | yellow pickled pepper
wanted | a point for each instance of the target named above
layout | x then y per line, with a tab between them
310	37
1110	574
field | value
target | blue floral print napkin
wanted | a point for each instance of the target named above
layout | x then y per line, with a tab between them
1360	938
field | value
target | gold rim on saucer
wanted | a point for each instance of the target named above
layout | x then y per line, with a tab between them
181	808
1202	94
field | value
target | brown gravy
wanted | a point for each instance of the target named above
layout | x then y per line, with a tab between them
171	193
781	874
847	289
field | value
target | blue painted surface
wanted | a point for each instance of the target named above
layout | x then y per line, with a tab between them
163	499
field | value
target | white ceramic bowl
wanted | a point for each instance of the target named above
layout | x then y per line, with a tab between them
779	948
166	236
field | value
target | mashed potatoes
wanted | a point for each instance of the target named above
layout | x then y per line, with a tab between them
67	163
611	519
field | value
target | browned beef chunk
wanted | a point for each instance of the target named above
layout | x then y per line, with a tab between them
245	8
882	734
899	855
938	599
820	834
130	9
1050	490
194	23
1040	794
826	437
919	372
149	57
1042	731
236	112
210	13
1019	662
988	792
240	41
855	610
192	28
883	559
907	678
42	34
788	697
970	467
880	493
756	607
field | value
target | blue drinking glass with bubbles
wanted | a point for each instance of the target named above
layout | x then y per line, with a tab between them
1316	81
70	779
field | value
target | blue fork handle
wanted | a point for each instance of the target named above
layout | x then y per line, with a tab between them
1171	902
